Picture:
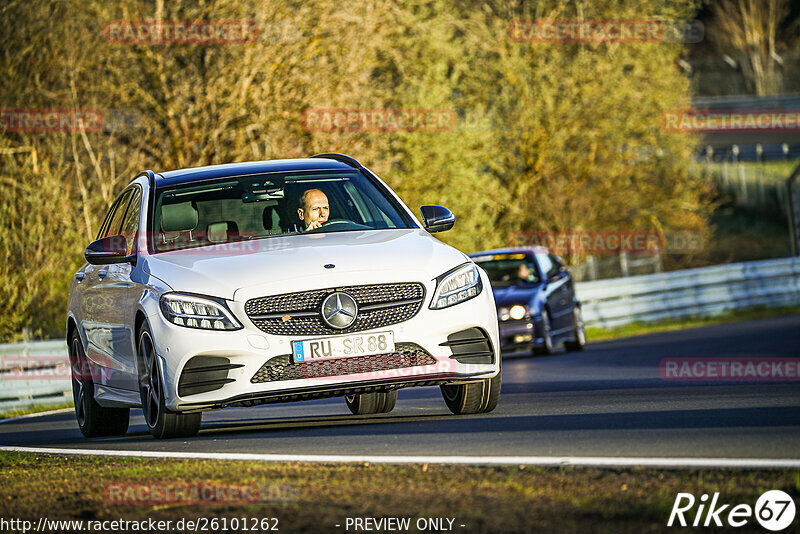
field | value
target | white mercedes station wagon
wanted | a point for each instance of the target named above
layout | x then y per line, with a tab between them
273	281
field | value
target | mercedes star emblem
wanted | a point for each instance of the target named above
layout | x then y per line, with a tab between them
339	310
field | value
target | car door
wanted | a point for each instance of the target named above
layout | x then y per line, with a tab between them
88	299
557	292
127	292
566	293
104	294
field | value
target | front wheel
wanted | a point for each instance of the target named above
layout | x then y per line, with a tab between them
161	422
93	420
371	403
547	336
474	397
578	332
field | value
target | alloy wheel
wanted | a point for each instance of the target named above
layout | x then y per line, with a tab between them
580	329
78	385
547	337
149	380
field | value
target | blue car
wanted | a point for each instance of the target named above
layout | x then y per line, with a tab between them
536	303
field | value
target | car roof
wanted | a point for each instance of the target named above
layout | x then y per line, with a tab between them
210	172
511	250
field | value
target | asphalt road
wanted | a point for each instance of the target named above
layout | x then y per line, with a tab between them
607	401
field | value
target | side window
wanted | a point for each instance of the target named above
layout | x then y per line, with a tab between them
545	264
557	265
130	226
107	219
115	224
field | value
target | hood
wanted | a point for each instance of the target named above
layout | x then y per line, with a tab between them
508	296
238	271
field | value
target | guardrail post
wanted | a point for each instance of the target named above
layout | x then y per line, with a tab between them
793	205
743	182
593	272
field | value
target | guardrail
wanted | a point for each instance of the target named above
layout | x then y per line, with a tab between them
38	372
31	373
706	291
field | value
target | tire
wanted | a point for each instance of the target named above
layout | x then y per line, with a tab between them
547	337
371	403
474	397
162	423
93	420
578	334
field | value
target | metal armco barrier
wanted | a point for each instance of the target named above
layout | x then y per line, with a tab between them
31	373
38	372
692	292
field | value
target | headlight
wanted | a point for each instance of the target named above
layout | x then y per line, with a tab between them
517	311
197	312
457	285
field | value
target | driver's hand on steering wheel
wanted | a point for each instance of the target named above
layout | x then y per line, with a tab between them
315	224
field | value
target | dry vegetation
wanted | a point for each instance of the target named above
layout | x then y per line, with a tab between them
549	136
484	499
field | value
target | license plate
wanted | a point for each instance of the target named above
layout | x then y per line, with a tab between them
328	348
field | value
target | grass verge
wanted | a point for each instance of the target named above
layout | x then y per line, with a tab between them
36	408
637	329
317	497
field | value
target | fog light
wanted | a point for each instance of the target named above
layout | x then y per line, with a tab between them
524	338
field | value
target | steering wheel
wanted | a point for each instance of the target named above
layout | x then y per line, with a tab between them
333	222
342	223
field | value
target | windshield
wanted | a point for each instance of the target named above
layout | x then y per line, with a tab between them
269	205
506	270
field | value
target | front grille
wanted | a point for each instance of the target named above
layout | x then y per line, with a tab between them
298	314
282	368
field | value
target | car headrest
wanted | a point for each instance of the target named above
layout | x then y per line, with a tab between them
271	218
220	232
178	217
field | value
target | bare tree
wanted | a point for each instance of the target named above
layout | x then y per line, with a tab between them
748	30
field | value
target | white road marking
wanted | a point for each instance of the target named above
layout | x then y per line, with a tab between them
37	414
581	461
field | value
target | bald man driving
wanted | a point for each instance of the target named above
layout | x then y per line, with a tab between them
314	209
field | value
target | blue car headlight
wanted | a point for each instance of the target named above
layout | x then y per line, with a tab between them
515	312
456	286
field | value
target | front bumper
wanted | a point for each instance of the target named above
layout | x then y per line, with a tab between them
249	349
521	335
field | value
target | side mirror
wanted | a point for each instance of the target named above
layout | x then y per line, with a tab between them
437	218
111	249
558	275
